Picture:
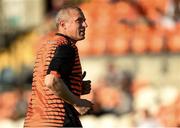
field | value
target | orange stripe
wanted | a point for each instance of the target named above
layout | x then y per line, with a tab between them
55	121
43	125
55	109
59	115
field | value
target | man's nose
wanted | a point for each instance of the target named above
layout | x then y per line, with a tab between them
85	24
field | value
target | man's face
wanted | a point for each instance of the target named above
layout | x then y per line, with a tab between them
76	25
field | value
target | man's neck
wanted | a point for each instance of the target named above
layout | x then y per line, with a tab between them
67	37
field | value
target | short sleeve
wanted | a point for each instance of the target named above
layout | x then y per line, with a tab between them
62	62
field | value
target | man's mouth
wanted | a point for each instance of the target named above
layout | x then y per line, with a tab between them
82	32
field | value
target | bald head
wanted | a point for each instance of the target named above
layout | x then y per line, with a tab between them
64	14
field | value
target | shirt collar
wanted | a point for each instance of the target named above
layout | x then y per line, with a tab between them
67	37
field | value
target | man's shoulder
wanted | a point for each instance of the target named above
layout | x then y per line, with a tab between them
58	40
51	43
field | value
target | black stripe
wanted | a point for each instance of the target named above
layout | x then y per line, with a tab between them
79	90
54	123
55	108
77	58
76	68
76	90
59	111
54	103
29	112
77	64
75	93
47	126
75	79
40	126
76	73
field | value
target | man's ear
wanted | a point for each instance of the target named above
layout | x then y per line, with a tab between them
62	24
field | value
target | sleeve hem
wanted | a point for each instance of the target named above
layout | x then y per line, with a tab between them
56	74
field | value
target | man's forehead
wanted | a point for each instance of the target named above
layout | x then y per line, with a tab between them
77	14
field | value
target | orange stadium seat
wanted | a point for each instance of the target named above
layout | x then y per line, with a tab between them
119	36
118	46
139	39
124	11
106	40
174	43
98	46
156	42
138	45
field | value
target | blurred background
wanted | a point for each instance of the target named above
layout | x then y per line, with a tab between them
131	55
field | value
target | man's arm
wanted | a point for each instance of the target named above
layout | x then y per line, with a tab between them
61	90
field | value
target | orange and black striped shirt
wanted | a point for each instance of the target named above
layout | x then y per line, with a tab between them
59	56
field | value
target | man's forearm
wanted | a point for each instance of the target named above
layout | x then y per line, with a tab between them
61	90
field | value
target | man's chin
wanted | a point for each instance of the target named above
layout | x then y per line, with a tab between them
82	38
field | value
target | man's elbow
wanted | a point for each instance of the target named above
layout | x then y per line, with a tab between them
49	80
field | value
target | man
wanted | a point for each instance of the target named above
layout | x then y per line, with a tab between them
57	77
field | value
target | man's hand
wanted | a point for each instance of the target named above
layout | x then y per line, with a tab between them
86	85
84	103
81	110
83	106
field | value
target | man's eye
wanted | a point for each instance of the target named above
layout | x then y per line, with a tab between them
79	21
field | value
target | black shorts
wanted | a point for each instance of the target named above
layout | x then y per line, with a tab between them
71	117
